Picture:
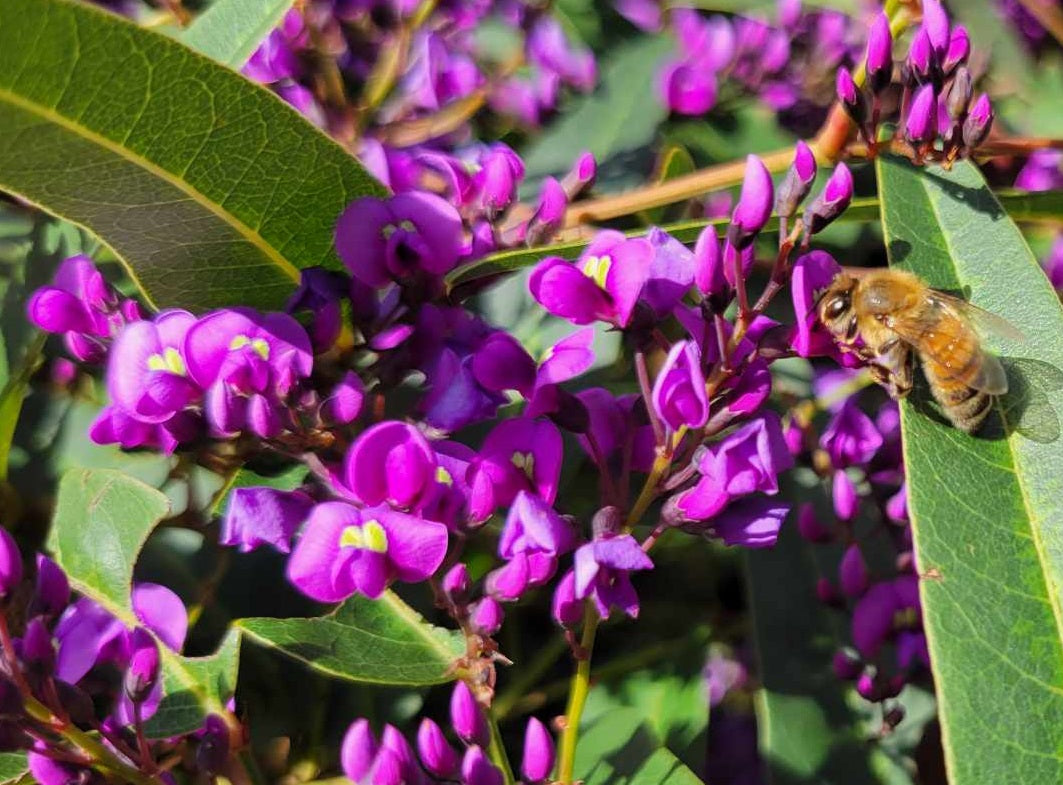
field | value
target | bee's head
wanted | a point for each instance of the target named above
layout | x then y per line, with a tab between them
836	303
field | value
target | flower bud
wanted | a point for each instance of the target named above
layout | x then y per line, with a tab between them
538	760
52	593
394	743
466	715
38	651
959	94
567	609
213	749
798	183
486	616
679	391
831	201
920	127
10	564
865	686
345	403
920	57
852	572
809	527
708	264
959	49
606	522
936	25
456	584
846	664
143	671
879	53
843	494
897	506
436	754
754	204
826	593
581	176
358	750
387	769
851	97
476	769
978	123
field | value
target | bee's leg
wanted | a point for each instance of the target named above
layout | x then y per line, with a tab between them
894	361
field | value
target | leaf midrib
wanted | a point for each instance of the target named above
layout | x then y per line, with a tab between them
250	235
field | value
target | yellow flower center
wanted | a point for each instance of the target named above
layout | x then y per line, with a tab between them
258	345
597	268
170	361
443	476
370	536
524	461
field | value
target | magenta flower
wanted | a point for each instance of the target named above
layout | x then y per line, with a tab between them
400	239
520	454
852	572
708	263
501	171
754	204
798	182
688	88
751	522
978	123
831	201
533	536
959	49
602	573
565	607
679	391
936	25
670	274
921	125
115	426
146	374
603	284
391	462
811	272
548	48
538	759
477	769
747	461
566	359
10	563
850	438
844	496
890	610
435	751
616	422
263	516
344	549
466	715
358	750
879	60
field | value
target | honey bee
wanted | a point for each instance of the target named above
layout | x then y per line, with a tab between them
894	314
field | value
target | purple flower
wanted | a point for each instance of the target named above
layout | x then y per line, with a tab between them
751	522
670	274
142	674
538	759
533	536
843	494
1043	171
921	125
501	363
263	516
320	293
399	239
436	753
679	395
850	438
476	769
549	214
798	182
978	123
466	715
811	272
486	616
519	454
146	374
959	49
831	201
344	403
52	591
852	572
358	750
276	58
393	462
936	25
879	60
602	573
688	88
644	14
754	203
501	171
566	608
10	564
708	263
747	461
603	284
547	47
890	610
344	550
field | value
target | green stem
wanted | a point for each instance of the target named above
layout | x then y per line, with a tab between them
577	698
497	752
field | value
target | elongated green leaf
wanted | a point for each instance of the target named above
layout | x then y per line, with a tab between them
12	766
380	641
230	30
102	520
209	188
616	122
618	749
986	510
1022	206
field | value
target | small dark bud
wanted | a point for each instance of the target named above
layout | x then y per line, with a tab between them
38	651
143	670
606	522
959	94
798	182
852	97
893	717
213	749
831	201
879	54
978	123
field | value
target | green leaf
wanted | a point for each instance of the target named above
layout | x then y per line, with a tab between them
616	122
13	766
229	31
618	749
102	520
812	726
210	189
380	641
985	510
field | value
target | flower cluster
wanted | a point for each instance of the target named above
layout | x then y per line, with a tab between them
391	759
937	118
1043	171
784	64
76	668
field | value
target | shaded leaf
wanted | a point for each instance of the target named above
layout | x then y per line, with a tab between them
102	520
380	641
210	189
985	509
618	749
229	31
13	765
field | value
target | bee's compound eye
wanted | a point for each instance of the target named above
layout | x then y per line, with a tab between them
837	306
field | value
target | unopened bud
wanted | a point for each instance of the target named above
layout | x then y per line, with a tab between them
538	760
959	94
476	769
358	750
808	524
920	57
143	671
486	616
754	204
213	750
798	181
606	522
831	201
852	572
466	715
920	127
436	753
456	584
851	97
959	49
566	608
978	123
844	496
879	54
10	564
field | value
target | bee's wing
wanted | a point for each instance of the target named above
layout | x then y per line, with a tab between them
985	322
959	316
